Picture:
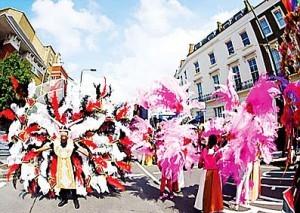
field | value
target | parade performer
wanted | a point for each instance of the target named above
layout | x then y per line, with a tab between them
250	128
175	141
210	197
63	148
53	162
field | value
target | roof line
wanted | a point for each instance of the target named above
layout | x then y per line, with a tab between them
22	37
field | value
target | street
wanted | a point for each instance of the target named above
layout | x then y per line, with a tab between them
141	195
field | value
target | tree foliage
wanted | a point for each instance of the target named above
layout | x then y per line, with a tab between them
20	68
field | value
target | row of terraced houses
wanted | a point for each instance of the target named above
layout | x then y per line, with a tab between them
237	45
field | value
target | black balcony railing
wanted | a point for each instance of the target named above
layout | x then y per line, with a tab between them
205	97
244	85
240	87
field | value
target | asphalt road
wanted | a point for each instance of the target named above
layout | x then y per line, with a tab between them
141	195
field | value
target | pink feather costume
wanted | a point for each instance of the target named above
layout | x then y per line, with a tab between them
251	129
173	149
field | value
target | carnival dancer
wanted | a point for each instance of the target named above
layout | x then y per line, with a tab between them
244	184
163	181
63	148
209	197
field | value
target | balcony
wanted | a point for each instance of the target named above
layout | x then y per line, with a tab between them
204	98
243	86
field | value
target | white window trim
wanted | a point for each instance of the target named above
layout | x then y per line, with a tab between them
273	12
260	28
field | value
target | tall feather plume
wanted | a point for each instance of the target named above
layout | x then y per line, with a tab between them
123	166
98	92
89	143
53	169
49	107
14	82
55	106
104	91
227	94
167	95
8	113
30	156
12	169
32	128
114	182
123	112
78	166
31	89
261	96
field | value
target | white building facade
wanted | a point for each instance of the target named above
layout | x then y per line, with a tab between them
235	46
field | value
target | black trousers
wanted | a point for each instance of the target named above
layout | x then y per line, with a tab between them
66	193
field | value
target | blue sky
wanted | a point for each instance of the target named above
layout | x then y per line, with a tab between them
131	42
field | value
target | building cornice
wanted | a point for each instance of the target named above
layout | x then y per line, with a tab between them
19	32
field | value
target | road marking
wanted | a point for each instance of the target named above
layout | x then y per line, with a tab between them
147	172
270	199
262	202
274	186
289	172
2	184
254	209
156	173
134	175
269	167
276	178
266	174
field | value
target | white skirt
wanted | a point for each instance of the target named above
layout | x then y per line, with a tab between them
199	198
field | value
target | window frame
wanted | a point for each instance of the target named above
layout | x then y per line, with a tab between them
212	59
237	78
232	47
245	45
200	94
197	68
218	111
213	77
275	17
277	63
181	80
253	73
268	26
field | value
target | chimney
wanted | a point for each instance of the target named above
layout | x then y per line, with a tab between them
219	26
181	63
247	5
191	48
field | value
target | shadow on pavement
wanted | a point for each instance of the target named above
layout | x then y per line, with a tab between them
140	187
183	202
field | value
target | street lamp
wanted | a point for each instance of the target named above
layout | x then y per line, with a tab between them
91	70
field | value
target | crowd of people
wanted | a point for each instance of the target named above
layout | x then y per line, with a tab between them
62	150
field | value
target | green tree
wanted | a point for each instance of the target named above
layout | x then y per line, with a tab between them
20	68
